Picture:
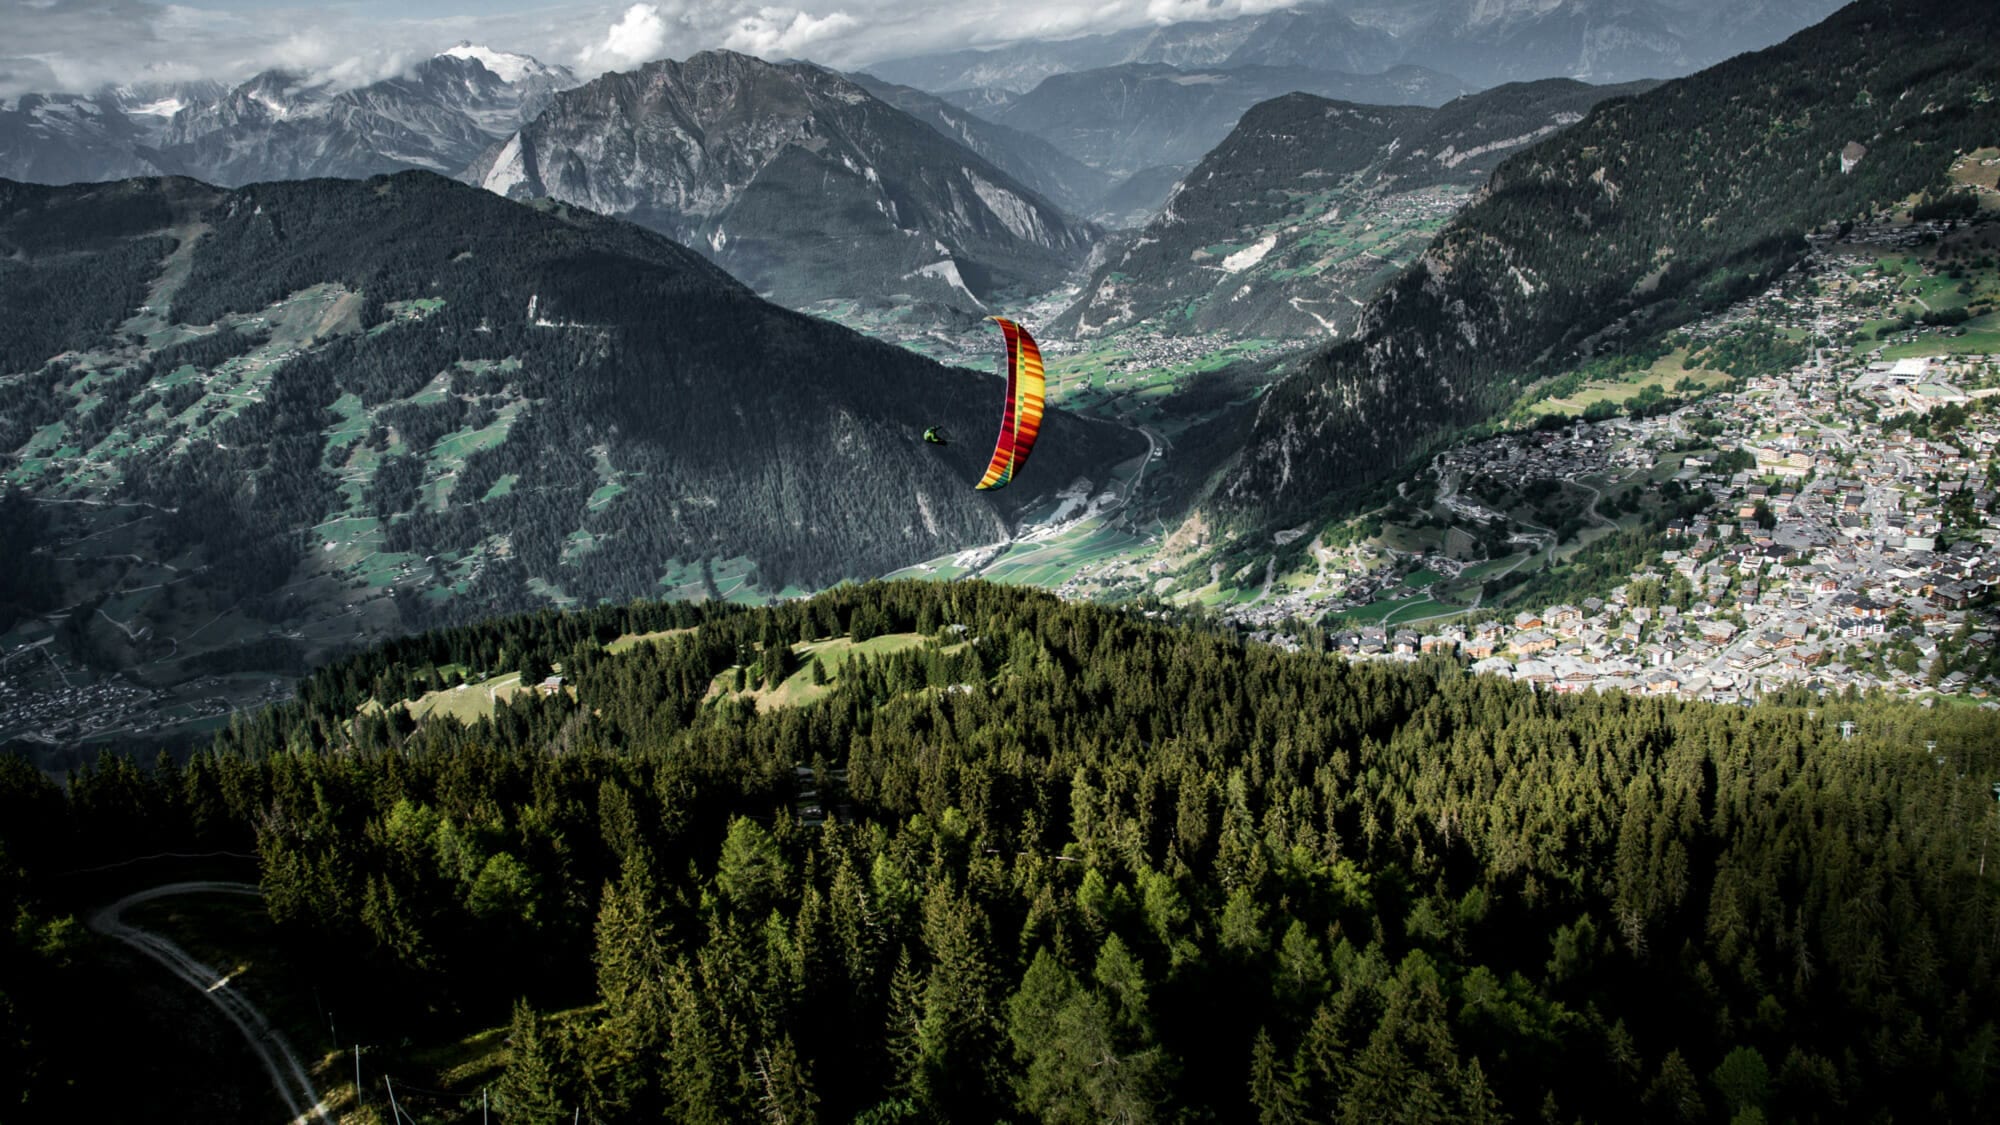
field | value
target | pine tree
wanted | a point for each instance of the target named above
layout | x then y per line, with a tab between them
1272	1092
632	962
700	1079
786	1096
529	1089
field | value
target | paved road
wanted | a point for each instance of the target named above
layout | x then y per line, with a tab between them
288	1075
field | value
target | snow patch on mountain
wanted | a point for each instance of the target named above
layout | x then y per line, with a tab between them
509	67
165	107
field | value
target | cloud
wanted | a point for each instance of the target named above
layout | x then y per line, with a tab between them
783	32
639	36
81	45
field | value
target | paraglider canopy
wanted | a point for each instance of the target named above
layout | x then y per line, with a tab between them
1021	415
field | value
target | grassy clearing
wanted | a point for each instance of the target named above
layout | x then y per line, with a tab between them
732	580
1057	560
1419	608
797	689
1978	168
1976	341
1665	374
467	704
630	641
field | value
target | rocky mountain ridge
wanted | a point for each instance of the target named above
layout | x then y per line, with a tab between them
439	116
795	179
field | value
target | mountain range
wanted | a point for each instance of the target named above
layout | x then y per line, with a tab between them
795	179
1123	119
440	116
1330	40
1651	211
1484	42
1310	205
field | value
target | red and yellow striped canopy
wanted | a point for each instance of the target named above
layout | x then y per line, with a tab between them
1021	418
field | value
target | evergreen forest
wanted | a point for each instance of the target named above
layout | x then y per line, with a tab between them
1058	862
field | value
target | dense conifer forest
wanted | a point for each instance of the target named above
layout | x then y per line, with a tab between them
1061	863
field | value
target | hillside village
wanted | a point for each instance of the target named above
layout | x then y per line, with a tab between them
1842	537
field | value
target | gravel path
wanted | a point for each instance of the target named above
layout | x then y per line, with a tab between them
288	1075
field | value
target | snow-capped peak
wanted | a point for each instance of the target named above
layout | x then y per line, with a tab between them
509	67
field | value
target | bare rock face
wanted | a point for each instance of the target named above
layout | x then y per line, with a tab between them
795	179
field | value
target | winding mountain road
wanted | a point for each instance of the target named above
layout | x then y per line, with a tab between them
288	1074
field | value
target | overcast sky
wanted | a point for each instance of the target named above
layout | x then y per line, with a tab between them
78	45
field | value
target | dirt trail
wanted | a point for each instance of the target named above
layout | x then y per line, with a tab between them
287	1073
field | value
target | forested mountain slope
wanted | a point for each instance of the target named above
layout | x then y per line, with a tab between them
796	180
297	401
1305	210
1653	210
1008	872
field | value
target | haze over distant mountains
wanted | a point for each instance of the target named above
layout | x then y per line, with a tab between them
1126	118
1484	42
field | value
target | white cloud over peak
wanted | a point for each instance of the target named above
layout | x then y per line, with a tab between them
80	45
639	36
781	32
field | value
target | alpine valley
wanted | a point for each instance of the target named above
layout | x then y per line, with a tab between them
1482	605
258	426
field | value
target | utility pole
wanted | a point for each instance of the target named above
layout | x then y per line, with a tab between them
357	1076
